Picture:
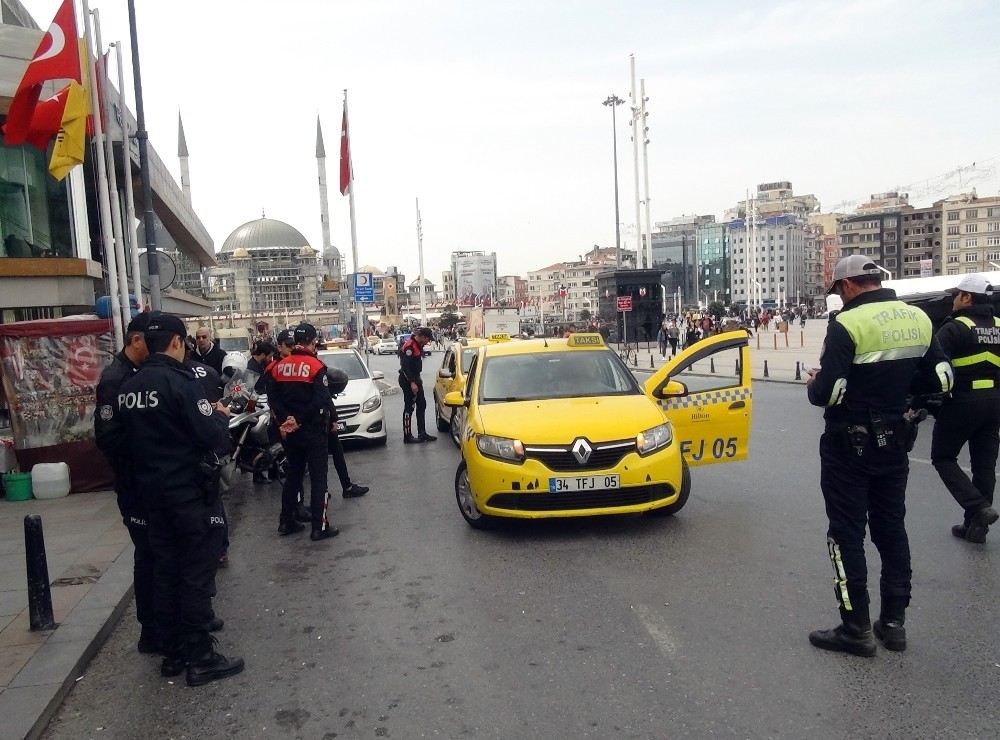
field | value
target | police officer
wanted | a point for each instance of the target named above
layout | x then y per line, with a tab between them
877	351
410	364
971	338
164	426
124	365
300	402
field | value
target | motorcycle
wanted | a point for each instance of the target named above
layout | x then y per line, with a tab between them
256	448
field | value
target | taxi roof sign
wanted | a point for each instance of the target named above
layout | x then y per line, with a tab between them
591	339
499	337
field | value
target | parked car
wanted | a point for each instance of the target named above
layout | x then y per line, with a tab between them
386	346
360	413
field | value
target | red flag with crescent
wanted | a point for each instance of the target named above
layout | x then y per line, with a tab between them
56	58
346	170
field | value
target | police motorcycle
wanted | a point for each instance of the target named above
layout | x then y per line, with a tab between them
254	449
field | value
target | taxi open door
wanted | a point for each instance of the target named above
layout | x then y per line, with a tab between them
705	392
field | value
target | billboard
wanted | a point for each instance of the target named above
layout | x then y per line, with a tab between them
475	278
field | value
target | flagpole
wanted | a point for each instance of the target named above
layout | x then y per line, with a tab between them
358	305
132	237
103	197
420	280
109	153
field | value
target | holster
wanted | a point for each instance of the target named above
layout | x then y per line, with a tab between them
210	477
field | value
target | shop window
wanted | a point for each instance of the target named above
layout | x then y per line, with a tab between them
34	207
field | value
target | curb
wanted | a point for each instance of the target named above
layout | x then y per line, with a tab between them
39	688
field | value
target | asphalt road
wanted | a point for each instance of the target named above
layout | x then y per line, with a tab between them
410	624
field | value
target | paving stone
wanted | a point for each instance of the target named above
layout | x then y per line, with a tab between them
52	663
18	632
13	659
21	709
13	601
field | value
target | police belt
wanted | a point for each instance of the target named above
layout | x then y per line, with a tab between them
876	434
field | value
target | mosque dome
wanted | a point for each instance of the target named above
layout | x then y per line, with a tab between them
263	233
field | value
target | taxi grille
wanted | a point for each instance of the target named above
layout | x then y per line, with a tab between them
561	459
599	499
346	412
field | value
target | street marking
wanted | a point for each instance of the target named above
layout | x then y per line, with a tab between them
659	631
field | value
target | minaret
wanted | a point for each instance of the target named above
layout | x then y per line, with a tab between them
182	152
324	203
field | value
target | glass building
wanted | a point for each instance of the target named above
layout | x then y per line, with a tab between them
714	283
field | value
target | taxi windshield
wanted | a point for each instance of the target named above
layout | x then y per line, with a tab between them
544	375
468	355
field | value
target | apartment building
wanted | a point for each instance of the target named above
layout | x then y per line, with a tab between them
971	227
776	268
921	241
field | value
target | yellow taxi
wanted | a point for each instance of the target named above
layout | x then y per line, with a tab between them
561	427
451	377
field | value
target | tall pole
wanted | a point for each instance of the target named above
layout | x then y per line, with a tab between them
103	196
420	279
635	159
645	171
358	305
613	101
109	153
129	221
147	192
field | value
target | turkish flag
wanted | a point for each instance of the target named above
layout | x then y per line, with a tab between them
346	170
56	58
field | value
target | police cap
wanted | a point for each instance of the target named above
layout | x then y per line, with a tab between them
424	331
285	337
977	284
138	323
305	333
164	323
857	265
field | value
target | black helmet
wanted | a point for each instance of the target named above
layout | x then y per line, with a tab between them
336	379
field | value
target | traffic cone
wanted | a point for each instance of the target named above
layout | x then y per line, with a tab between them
765	370
798	372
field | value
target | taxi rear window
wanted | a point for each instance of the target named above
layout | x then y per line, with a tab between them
543	375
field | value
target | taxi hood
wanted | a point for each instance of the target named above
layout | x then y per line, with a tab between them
561	420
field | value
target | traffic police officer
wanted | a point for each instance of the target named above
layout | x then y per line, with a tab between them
877	351
300	402
124	365
972	340
165	426
410	364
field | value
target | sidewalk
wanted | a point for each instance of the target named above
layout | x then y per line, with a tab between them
90	569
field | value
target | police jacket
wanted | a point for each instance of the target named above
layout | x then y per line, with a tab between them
112	378
971	339
164	426
878	350
411	361
213	358
298	387
211	381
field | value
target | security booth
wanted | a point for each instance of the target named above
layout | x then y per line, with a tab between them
641	323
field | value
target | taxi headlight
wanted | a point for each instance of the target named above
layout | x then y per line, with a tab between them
654	439
501	448
371	404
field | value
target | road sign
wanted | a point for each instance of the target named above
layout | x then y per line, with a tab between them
364	289
624	303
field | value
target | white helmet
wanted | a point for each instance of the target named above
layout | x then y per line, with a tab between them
235	363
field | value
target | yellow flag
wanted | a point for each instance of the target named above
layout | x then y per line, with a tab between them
71	143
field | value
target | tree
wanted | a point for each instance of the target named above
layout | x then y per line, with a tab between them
716	309
585	314
449	316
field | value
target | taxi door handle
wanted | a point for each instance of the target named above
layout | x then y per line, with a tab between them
737	405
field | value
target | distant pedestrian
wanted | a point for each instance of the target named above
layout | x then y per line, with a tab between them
208	352
661	341
673	334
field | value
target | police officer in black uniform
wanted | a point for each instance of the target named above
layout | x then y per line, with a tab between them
300	402
971	339
126	364
877	351
410	364
166	428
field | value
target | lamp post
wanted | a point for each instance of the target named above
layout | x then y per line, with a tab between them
887	272
613	101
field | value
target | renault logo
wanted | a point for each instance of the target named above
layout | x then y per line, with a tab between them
581	451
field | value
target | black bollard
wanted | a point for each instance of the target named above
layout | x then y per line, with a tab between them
651	365
798	372
765	370
39	595
711	364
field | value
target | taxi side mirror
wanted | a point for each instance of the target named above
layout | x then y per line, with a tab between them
454	400
672	389
378	375
445	374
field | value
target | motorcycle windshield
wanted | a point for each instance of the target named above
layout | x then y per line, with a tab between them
241	385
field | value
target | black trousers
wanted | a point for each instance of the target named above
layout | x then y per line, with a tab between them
186	541
859	489
339	463
411	400
303	448
136	522
673	345
976	421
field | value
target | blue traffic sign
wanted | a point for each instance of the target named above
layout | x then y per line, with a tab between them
364	288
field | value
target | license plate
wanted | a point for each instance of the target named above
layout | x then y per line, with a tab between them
583	483
341	426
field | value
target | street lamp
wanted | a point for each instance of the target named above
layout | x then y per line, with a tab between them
887	272
613	101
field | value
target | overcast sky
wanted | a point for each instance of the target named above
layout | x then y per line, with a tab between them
491	112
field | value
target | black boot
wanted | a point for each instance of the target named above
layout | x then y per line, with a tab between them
289	526
302	513
323	533
354	490
211	666
889	627
425	437
172	666
215	625
979	525
853	635
149	642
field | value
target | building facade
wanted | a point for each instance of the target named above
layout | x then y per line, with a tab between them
971	228
448	286
475	276
921	242
714	263
675	255
775	199
776	269
874	235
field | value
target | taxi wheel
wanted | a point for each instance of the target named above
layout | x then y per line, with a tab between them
682	499
466	502
455	429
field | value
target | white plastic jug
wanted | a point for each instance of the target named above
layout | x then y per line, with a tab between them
50	480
